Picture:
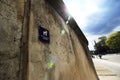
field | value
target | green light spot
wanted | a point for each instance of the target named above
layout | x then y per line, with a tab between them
68	19
63	32
51	65
45	79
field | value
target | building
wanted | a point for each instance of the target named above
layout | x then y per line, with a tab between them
60	52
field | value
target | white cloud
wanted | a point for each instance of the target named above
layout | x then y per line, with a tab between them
91	39
117	29
82	9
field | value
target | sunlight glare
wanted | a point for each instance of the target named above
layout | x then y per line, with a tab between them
81	11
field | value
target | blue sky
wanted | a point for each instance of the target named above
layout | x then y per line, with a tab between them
95	17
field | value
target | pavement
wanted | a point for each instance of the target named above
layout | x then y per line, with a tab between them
103	73
112	58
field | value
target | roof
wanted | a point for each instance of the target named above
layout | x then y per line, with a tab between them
61	9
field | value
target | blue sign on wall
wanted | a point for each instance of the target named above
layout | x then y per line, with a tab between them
44	35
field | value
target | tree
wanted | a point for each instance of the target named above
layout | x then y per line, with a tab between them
102	40
113	41
100	46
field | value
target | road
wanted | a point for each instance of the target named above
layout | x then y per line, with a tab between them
110	62
113	58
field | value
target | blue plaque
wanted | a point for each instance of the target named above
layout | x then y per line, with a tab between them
44	35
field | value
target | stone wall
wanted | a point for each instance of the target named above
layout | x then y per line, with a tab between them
83	62
10	35
24	57
65	52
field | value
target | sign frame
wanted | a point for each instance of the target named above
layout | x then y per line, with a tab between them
44	34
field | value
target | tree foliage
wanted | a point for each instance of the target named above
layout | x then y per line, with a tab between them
113	41
100	46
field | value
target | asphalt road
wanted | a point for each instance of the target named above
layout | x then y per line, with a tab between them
110	62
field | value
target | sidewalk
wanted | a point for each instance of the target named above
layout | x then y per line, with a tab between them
104	74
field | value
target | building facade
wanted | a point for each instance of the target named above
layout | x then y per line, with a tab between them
40	41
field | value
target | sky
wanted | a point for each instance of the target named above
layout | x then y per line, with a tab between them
95	18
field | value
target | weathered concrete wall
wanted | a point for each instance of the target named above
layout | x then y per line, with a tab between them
24	57
70	61
83	60
10	34
41	54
